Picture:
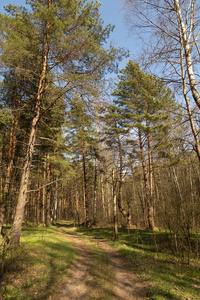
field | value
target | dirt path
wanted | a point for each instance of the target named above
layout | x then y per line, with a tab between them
82	284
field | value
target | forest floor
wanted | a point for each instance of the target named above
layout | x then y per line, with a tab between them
110	276
67	262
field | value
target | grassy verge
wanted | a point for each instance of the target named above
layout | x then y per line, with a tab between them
35	269
167	278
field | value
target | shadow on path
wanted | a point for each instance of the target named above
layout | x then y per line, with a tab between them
86	281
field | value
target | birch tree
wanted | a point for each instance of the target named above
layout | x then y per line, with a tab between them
170	32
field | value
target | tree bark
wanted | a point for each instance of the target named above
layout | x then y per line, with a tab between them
125	214
56	201
192	125
95	192
151	204
146	184
187	45
38	193
84	182
114	206
11	154
44	194
103	197
48	194
17	225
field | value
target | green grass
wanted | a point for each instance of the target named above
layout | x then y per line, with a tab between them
38	266
103	275
166	277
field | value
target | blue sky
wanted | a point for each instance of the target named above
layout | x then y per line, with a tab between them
111	12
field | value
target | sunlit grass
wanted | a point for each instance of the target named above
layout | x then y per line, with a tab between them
36	268
166	278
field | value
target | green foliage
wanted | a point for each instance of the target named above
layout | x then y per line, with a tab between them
141	97
76	36
79	123
5	118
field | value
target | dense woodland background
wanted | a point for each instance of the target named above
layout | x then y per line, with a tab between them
74	145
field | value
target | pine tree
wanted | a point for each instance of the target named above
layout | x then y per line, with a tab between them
56	42
143	103
81	137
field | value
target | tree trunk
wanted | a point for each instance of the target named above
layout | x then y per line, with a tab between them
103	198
192	125
17	225
109	199
85	200
125	214
56	201
186	44
146	184
38	200
77	204
1	167
44	194
48	194
114	206
151	202
95	193
180	210
11	155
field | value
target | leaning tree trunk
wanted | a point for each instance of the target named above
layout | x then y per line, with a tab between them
17	225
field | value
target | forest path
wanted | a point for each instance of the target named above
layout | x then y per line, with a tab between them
111	278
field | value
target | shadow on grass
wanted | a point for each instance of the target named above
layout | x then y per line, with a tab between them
65	224
103	276
161	293
167	279
36	267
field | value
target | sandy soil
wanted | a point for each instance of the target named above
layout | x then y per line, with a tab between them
80	282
